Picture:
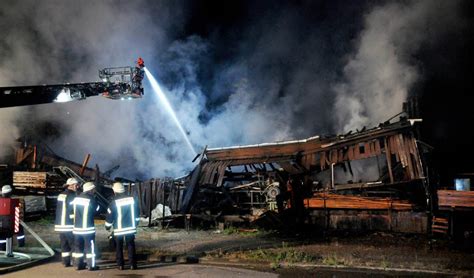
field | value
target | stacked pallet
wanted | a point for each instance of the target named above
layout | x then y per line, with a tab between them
35	180
338	201
440	225
453	199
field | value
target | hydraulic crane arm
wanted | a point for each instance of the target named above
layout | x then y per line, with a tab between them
117	83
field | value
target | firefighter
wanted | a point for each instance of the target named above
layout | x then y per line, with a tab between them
64	222
122	215
140	63
20	235
84	208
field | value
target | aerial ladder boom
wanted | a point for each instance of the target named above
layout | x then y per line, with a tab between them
116	83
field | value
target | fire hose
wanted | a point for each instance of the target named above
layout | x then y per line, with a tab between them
29	263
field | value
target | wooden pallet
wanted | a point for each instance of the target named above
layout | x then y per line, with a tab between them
29	179
440	225
38	182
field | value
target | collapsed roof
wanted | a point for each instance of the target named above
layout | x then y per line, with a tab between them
391	146
318	153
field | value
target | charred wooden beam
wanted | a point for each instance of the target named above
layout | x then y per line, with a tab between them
337	201
451	199
389	160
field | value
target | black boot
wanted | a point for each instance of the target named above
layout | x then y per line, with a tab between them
67	261
93	268
80	264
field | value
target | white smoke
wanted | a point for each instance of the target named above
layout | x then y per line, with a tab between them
382	70
10	132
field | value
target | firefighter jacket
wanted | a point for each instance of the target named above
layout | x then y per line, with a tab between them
85	206
64	221
122	214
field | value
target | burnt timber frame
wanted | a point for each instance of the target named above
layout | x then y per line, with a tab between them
396	141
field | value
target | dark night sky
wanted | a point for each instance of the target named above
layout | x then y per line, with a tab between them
447	98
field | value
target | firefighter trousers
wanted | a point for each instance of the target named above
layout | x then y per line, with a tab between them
130	242
20	238
67	246
85	245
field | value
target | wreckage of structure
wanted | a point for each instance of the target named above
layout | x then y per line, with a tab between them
370	180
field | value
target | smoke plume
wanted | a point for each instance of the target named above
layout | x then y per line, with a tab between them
381	71
280	73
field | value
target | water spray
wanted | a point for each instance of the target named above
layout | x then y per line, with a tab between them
164	100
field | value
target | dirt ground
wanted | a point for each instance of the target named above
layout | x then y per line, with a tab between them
55	269
377	253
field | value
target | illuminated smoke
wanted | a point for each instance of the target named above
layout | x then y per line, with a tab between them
381	72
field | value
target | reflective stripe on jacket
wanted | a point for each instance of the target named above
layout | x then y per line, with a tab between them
122	214
64	209
85	207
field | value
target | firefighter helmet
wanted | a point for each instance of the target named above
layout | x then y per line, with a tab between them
71	181
118	187
6	189
88	186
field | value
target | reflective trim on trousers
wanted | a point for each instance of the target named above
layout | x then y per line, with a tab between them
77	255
125	229
63	226
84	229
93	253
20	237
122	233
83	232
65	254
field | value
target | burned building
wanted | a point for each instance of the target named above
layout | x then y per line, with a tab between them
372	179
